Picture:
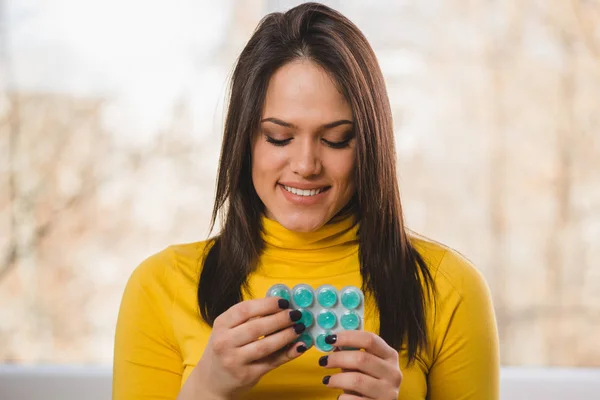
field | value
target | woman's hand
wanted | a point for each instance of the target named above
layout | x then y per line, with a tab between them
237	355
372	374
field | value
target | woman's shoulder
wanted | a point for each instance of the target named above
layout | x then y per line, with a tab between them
450	270
174	265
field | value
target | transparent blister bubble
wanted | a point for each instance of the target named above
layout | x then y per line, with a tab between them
325	310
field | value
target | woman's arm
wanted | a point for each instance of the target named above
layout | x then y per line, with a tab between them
147	362
465	349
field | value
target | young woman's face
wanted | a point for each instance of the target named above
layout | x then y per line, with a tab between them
303	155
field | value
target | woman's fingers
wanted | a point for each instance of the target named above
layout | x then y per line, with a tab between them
265	347
287	354
250	331
246	310
347	396
370	342
358	361
372	373
356	382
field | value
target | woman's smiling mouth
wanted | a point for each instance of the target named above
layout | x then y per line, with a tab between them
303	196
305	192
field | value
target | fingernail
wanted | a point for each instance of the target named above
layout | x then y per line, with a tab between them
330	339
283	304
323	361
301	349
326	379
299	328
295	315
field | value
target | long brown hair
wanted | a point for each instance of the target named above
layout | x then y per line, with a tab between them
393	272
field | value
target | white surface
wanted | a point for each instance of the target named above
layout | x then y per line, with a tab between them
94	383
550	384
55	383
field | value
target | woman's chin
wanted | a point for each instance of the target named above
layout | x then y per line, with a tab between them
302	223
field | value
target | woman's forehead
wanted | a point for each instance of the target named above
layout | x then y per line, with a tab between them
303	92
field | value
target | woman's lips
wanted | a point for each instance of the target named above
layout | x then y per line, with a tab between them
299	199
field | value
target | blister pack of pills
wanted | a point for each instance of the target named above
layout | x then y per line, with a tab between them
325	310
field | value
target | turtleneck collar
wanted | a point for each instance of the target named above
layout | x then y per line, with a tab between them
285	249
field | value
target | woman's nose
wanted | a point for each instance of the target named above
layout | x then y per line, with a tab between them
305	160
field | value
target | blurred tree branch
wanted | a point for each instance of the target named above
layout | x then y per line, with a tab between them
503	45
12	124
37	162
10	255
586	28
536	312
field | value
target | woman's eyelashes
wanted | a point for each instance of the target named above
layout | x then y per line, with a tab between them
338	145
276	142
334	145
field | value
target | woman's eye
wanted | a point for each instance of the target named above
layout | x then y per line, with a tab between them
334	145
338	145
276	142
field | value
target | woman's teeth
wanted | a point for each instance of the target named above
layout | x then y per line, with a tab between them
301	192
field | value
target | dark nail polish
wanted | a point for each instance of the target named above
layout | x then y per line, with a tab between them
330	339
326	379
283	304
301	349
299	328
323	361
295	315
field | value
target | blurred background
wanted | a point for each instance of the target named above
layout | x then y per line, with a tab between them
111	117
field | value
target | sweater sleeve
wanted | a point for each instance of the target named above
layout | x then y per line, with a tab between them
465	349
147	360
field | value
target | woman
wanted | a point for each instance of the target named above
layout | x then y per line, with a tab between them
308	193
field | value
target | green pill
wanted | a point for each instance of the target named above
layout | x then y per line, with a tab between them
350	299
303	297
280	292
307	318
350	321
321	345
326	319
306	339
327	297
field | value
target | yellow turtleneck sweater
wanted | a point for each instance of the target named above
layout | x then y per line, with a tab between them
160	335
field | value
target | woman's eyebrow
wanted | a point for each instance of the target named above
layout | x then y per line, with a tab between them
290	125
